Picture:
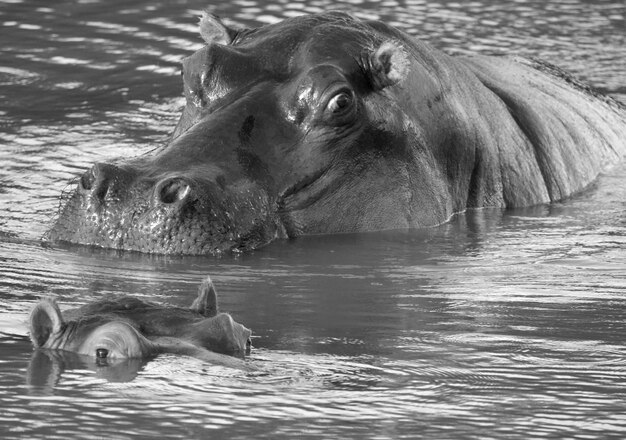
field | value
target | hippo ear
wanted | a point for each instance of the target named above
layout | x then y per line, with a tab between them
389	65
206	302
45	320
214	31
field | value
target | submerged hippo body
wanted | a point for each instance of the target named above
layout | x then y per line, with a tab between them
325	124
127	327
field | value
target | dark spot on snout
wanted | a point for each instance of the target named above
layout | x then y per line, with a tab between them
245	133
434	100
254	167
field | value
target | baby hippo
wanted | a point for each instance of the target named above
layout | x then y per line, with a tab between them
127	327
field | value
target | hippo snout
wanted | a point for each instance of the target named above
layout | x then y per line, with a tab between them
153	209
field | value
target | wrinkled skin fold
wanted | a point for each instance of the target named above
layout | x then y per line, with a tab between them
129	328
325	124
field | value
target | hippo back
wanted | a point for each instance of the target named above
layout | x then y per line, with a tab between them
554	134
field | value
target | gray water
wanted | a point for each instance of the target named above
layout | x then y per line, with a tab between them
494	325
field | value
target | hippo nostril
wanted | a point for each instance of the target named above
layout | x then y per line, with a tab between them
88	179
172	190
102	353
96	180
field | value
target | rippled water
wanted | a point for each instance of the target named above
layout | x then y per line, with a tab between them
497	324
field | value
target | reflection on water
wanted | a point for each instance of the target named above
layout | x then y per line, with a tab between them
493	325
46	367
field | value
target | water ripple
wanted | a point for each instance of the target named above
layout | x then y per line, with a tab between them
497	324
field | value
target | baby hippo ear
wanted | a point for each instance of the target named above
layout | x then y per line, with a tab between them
214	31
206	302
389	65
45	320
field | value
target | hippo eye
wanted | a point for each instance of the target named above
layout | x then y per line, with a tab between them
339	103
115	340
102	353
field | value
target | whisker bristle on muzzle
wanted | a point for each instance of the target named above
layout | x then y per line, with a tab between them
64	197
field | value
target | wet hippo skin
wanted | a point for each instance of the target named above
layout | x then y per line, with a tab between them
324	124
128	327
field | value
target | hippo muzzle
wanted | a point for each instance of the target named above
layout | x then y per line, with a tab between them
176	202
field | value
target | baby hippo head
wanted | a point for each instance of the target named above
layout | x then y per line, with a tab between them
127	327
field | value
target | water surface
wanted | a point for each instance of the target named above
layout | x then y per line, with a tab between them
497	324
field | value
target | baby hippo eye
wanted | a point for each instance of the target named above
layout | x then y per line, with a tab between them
115	340
340	102
102	353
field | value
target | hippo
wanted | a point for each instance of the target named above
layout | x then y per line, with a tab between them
325	124
113	329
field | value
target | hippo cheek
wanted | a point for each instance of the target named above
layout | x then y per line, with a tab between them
115	340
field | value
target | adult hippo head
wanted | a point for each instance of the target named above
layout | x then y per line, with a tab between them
324	124
111	329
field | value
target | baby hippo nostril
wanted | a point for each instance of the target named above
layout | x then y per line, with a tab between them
102	353
172	190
